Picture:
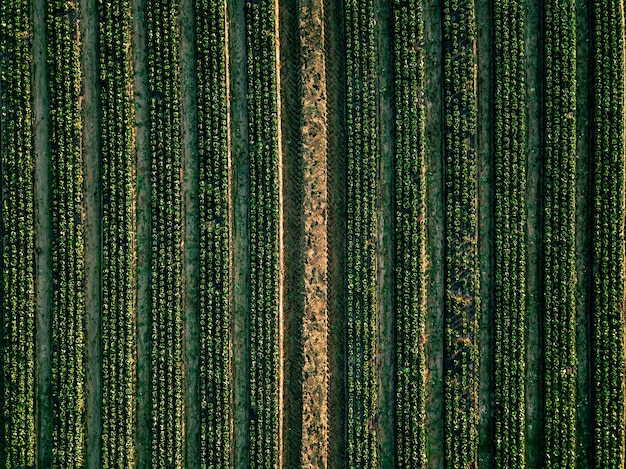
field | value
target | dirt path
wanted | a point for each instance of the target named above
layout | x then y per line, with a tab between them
293	295
433	95
43	233
486	196
240	231
191	233
281	229
384	241
334	48
584	226
534	400
5	346
92	212
315	209
143	234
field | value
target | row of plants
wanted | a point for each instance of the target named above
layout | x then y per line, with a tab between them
214	258
559	272
17	308
68	304
167	441
118	343
607	317
260	16
362	160
461	279
510	233
410	231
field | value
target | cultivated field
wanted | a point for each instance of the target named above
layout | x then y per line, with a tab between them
312	233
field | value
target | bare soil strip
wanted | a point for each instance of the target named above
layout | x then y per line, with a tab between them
92	210
534	86
143	234
384	241
315	210
584	226
433	95
191	233
43	235
281	230
292	298
4	344
486	246
240	234
334	48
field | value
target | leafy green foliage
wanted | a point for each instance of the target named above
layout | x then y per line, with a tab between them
213	200
264	219
166	160
461	281
559	274
410	232
118	340
510	232
68	304
608	234
17	308
362	158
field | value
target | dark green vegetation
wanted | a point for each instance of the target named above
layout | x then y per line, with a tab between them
362	159
510	233
264	232
166	266
410	232
17	244
213	199
559	270
607	319
118	329
177	236
68	304
461	281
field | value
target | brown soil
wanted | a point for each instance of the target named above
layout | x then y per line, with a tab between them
433	95
486	246
304	174
90	148
240	231
143	234
281	232
583	234
533	235
315	320
43	241
191	234
337	287
384	242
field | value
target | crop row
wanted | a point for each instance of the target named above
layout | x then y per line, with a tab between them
213	201
67	236
461	281
510	231
117	239
410	232
362	160
166	279
17	310
608	234
264	223
559	275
